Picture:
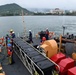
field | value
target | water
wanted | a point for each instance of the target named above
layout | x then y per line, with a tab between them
37	23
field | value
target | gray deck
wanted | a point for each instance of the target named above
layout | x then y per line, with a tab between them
16	68
36	41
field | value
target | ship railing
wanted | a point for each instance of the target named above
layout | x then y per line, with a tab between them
28	63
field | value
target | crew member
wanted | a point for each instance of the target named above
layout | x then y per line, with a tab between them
11	31
30	36
7	36
10	53
47	34
13	34
43	40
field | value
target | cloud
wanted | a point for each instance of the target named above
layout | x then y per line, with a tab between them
69	4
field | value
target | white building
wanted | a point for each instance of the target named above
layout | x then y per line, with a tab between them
57	11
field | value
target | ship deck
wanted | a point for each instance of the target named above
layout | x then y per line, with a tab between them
17	68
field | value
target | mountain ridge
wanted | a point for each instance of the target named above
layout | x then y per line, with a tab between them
13	9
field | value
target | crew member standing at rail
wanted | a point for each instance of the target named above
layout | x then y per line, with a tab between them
10	52
30	36
43	40
47	34
13	34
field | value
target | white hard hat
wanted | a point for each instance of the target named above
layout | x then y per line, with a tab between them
13	32
29	30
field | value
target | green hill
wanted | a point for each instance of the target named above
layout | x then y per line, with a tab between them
12	10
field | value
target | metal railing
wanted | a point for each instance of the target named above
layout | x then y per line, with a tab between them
28	63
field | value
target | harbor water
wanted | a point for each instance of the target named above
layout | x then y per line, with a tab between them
36	24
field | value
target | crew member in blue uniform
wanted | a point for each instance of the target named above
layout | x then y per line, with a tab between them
30	36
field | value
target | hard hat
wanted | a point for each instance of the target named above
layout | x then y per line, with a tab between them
11	30
29	30
9	45
43	39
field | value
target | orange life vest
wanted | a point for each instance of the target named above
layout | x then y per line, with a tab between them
9	52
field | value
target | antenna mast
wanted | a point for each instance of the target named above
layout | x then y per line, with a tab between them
24	31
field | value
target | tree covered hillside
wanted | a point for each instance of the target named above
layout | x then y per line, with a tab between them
12	10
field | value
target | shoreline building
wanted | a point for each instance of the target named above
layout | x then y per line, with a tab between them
57	11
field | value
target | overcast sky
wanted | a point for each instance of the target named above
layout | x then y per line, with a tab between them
62	4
